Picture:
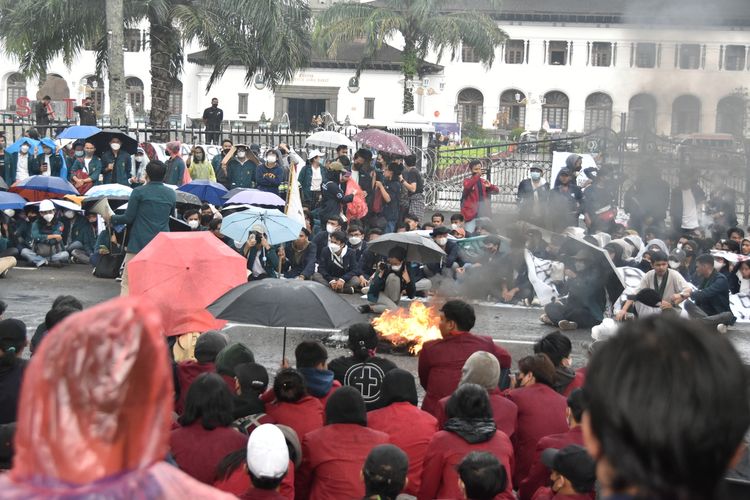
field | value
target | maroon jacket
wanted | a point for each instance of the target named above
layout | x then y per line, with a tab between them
303	416
541	412
256	494
198	451
539	473
410	429
187	372
504	412
475	198
445	452
441	361
333	457
548	494
577	382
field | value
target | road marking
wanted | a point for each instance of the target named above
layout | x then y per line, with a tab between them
507	341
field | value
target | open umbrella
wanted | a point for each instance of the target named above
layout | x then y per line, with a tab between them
210	192
115	194
600	260
419	248
383	141
16	146
287	304
41	187
11	201
183	273
258	198
233	192
278	227
187	200
329	139
101	139
78	132
60	203
178	225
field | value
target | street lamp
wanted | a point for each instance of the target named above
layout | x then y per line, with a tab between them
353	86
259	82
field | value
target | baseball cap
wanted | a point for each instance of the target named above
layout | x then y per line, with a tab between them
267	454
575	464
46	206
314	154
440	231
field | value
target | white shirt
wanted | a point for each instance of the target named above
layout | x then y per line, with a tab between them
86	162
49	168
689	210
355	176
257	266
744	284
22	167
317	179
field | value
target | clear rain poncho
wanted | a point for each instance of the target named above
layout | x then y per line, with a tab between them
95	412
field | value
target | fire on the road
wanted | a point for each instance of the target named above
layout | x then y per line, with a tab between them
409	327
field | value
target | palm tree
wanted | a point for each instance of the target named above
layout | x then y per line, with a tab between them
424	25
268	37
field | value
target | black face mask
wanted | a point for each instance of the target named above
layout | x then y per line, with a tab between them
205	219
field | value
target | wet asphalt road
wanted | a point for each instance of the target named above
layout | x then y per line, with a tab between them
29	294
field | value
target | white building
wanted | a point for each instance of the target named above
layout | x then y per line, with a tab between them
571	64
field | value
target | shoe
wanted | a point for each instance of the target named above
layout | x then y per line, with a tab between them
535	302
545	319
348	290
567	325
41	263
364	308
721	328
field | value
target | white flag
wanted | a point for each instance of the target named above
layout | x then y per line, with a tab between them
294	201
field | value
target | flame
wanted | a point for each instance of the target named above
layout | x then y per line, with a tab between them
412	327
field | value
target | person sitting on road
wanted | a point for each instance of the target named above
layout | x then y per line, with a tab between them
384	472
573	474
481	476
310	358
337	266
46	233
293	405
558	348
392	279
262	259
298	257
710	302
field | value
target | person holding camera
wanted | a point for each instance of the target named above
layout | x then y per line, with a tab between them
475	200
262	260
86	112
392	279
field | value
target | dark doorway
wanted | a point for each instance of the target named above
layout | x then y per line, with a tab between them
301	112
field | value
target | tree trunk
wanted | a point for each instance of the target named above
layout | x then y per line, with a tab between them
116	62
161	78
409	69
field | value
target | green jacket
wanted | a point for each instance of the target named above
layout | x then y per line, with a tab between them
55	163
94	171
148	214
269	259
241	174
11	162
120	174
175	171
85	233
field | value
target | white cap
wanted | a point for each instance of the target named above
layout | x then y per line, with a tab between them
46	206
314	153
267	454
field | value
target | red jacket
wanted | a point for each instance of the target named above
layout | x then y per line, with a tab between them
538	475
410	429
548	494
198	451
441	361
238	483
476	193
541	412
187	372
333	457
256	494
269	395
303	416
504	412
577	382
445	452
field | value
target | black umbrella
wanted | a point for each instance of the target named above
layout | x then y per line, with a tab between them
177	225
101	140
600	259
285	303
187	199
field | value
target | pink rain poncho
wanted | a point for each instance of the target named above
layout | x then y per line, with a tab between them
95	412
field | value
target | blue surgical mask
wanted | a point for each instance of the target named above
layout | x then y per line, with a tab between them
535	176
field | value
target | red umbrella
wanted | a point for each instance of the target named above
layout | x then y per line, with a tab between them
183	273
383	141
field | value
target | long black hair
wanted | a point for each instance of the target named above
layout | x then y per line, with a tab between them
209	401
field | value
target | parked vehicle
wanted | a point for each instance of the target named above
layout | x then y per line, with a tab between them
719	149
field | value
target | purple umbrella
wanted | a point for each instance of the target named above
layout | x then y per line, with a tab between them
383	141
256	197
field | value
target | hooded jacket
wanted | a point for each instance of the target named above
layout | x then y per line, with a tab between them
320	383
475	200
303	416
99	427
269	179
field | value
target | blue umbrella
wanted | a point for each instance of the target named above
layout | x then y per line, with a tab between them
277	226
38	187
13	148
207	191
79	132
11	200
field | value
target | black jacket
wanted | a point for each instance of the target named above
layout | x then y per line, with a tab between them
451	256
713	294
306	264
331	271
365	376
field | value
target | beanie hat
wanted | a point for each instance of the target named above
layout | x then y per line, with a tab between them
12	335
481	368
346	406
208	346
231	356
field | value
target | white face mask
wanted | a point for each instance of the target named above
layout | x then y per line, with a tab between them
454	226
718	265
115	146
330	228
69	214
240	154
271	159
535	176
24	148
334	247
580	265
193	224
9	212
395	268
48	217
673	264
138	157
355	240
441	241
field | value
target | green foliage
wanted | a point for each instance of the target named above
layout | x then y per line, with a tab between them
515	134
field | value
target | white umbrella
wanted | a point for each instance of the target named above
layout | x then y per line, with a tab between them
329	139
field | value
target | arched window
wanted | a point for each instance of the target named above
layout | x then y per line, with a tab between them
642	113
686	115
598	112
134	91
730	115
555	110
470	104
16	87
175	98
95	90
512	112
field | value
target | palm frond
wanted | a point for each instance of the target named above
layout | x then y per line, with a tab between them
450	31
345	22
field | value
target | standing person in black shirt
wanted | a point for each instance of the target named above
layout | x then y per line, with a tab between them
86	112
411	180
212	119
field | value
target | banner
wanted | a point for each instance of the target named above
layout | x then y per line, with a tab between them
541	275
294	208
